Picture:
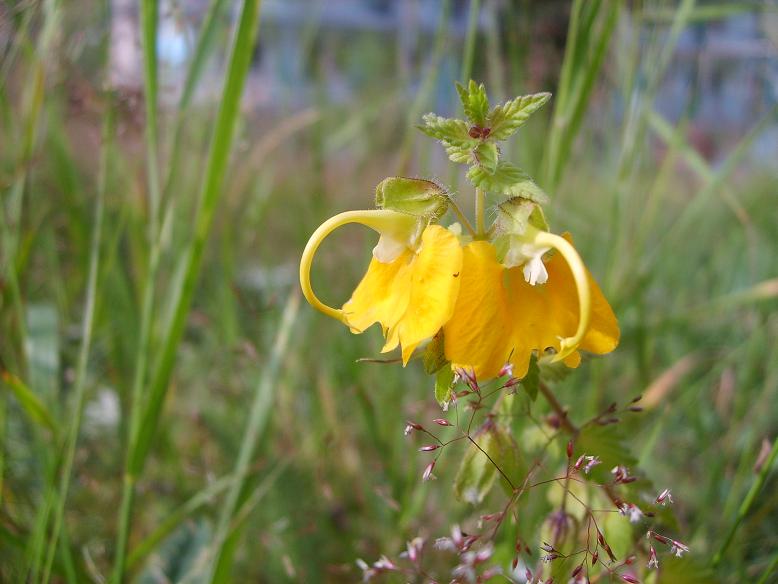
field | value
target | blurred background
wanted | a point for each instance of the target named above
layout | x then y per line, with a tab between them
152	218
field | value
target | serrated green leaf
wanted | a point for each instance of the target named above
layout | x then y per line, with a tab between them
509	180
443	381
434	358
474	101
531	381
450	131
505	119
485	155
459	154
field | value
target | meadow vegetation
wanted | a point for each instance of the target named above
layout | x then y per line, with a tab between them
171	412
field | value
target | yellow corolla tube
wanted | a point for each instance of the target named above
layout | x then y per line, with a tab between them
394	225
410	285
578	270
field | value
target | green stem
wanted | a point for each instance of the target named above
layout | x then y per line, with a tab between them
87	327
258	416
149	16
769	571
479	213
745	506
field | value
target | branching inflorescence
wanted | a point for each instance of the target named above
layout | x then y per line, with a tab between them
496	314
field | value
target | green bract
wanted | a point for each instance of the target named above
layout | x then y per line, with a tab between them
414	196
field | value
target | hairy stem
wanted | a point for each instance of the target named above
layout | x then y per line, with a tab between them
479	213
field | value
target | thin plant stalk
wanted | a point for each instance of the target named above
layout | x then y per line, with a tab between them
748	502
258	416
479	212
87	326
149	18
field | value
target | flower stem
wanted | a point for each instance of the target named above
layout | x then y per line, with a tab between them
462	218
479	213
560	411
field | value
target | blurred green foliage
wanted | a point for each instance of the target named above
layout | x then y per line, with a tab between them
684	249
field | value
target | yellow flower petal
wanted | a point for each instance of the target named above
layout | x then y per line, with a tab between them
382	295
411	296
477	337
433	289
499	316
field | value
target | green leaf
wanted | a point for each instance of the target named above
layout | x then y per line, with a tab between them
459	154
477	473
474	102
507	180
505	119
479	469
434	357
450	131
485	155
443	381
414	196
531	380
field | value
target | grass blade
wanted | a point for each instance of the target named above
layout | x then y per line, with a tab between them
149	20
30	402
745	507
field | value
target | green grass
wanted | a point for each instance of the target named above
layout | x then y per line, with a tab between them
148	253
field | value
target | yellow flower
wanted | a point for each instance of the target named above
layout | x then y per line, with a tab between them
410	286
492	312
503	315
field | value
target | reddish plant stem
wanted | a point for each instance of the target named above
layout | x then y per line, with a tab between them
559	410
